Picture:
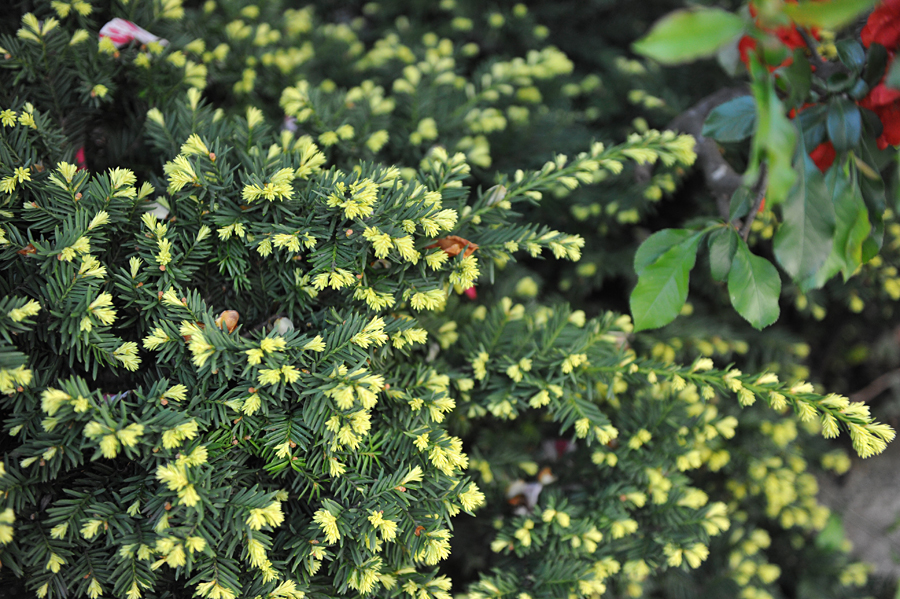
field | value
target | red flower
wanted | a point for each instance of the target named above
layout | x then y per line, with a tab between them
823	155
80	160
788	35
885	102
883	26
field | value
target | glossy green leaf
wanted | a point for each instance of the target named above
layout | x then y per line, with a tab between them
812	123
872	186
658	244
859	90
722	245
876	62
857	233
892	79
852	54
739	206
662	286
852	227
775	137
732	121
839	82
798	77
685	35
844	124
871	124
872	189
803	241
754	287
828	14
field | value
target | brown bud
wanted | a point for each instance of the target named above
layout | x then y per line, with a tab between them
164	401
78	196
401	488
349	232
28	249
453	245
168	506
212	156
162	267
419	530
228	320
252	389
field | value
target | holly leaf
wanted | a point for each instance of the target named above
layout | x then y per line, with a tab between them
754	287
722	245
803	241
732	121
685	35
662	286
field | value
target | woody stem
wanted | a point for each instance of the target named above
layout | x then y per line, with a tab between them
760	194
823	68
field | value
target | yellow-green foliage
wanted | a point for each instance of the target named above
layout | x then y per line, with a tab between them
245	364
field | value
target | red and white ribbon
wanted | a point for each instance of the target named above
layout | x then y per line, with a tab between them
123	32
